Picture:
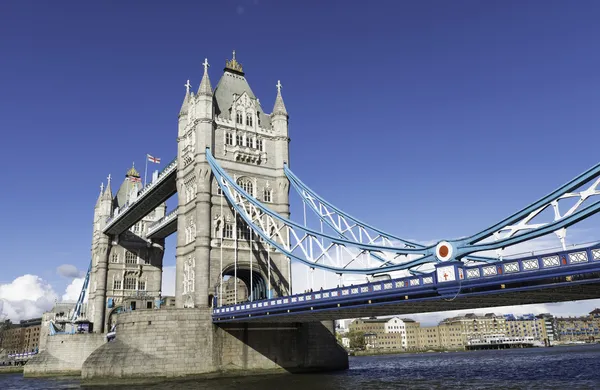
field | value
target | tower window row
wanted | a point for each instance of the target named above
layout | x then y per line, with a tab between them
129	283
239	119
244	140
130	258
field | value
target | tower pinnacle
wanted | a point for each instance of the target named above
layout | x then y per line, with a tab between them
205	87
184	105
234	66
279	107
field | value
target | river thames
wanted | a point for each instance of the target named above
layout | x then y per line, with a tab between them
575	367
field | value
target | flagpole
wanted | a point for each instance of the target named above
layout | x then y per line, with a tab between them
145	170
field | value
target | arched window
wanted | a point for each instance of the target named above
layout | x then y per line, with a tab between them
246	185
267	195
238	118
249	120
239	139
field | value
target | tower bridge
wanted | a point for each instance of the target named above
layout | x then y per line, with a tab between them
233	180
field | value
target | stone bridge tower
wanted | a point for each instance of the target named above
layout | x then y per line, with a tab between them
253	147
126	270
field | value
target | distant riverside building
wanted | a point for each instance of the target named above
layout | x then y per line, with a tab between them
526	325
587	328
230	291
388	333
24	337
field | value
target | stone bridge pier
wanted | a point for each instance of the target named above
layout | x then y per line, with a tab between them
174	343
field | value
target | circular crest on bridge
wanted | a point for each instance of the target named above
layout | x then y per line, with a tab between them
444	250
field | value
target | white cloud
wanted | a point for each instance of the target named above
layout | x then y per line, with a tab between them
67	271
27	296
73	290
168	281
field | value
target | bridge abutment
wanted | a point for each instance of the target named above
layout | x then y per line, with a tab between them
175	343
64	355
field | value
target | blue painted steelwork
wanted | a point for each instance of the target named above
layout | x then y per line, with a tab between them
572	185
79	304
230	189
476	279
309	196
252	211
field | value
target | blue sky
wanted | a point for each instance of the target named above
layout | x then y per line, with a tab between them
428	119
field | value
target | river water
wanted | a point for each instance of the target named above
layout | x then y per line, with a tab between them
537	368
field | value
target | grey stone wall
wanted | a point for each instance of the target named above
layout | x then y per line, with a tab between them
183	342
64	354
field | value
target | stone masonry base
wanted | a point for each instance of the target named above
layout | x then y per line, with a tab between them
174	343
64	355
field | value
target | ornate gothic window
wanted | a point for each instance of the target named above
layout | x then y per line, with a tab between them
238	118
249	119
129	284
259	144
228	230
243	232
239	140
267	195
228	139
116	284
130	258
114	258
190	230
249	142
246	185
141	285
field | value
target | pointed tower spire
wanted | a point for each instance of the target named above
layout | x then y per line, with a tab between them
100	196
186	99
279	107
205	87
108	191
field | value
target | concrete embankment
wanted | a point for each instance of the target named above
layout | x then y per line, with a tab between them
11	370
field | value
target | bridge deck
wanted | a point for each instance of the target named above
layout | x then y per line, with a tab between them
565	276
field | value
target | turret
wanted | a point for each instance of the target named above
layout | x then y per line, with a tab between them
105	209
279	117
279	121
184	115
204	97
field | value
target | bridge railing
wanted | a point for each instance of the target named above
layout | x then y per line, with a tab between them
160	178
162	222
416	284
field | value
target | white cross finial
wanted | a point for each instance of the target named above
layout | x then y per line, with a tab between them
101	188
234	54
188	86
108	179
206	65
278	86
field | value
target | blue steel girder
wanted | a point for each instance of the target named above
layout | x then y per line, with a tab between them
309	246
568	275
148	199
351	228
290	237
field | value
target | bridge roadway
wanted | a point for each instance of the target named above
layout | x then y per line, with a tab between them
553	277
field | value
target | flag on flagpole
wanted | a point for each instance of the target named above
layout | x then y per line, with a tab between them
135	179
155	160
